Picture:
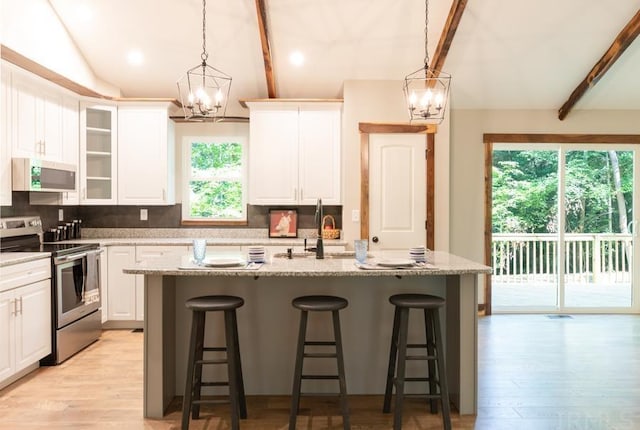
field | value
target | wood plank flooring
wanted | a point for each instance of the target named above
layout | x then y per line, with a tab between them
535	372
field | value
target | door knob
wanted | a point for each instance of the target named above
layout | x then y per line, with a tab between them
375	239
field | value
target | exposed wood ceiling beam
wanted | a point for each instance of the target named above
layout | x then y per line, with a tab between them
266	50
619	45
31	66
448	31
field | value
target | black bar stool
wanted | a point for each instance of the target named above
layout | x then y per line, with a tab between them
435	355
310	304
193	384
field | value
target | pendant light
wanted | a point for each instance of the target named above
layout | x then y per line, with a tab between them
204	90
427	90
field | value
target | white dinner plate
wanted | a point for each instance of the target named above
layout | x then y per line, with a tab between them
395	262
224	262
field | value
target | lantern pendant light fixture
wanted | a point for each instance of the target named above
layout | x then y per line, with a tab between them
204	90
427	90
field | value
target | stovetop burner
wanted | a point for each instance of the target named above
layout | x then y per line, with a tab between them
24	234
56	248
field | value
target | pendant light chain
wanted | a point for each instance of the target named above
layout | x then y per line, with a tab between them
426	34
204	56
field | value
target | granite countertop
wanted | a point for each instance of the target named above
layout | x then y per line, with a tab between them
177	241
10	258
439	263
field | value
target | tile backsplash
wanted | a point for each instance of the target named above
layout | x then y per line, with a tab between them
158	216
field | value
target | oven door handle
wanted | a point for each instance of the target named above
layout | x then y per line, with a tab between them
73	257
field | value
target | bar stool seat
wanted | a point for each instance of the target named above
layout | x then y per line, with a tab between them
308	304
193	384
396	377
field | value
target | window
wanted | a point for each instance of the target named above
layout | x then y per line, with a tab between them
214	179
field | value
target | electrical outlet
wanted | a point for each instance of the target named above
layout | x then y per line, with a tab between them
60	214
355	215
144	215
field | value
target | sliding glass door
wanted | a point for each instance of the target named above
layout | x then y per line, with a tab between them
564	223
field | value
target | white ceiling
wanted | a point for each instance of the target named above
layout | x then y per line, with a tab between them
506	54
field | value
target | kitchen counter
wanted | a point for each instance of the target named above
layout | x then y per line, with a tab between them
10	258
176	241
268	324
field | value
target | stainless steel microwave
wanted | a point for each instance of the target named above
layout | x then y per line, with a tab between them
32	174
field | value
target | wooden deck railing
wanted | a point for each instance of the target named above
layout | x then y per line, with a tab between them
588	258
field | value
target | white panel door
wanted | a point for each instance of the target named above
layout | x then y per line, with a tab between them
397	195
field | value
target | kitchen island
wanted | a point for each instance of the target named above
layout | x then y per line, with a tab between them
268	324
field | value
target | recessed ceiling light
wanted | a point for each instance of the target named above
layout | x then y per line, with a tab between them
296	58
135	57
84	13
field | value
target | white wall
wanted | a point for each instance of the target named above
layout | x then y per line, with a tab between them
383	101
467	159
31	28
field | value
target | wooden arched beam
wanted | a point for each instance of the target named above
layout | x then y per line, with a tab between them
266	49
619	45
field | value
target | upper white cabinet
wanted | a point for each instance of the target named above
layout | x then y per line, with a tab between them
71	144
98	154
37	118
294	153
145	155
5	137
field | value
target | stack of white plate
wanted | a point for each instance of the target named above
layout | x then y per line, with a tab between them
418	254
256	254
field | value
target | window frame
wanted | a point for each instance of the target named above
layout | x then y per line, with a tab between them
186	177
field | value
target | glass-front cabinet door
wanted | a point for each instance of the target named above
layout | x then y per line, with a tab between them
98	158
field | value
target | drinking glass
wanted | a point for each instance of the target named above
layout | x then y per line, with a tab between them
199	250
360	246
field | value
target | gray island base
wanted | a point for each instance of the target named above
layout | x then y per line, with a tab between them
268	324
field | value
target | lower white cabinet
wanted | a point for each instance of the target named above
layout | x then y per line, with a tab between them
121	288
125	293
144	253
25	317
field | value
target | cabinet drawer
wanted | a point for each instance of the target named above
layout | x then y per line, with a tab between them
20	274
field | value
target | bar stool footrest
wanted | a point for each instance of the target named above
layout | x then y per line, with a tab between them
320	377
320	354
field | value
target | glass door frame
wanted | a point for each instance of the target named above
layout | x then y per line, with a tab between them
566	142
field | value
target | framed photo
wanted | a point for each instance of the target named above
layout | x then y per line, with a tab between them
283	223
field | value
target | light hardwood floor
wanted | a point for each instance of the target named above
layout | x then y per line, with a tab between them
535	372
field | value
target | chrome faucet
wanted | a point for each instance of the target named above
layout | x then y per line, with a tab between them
319	244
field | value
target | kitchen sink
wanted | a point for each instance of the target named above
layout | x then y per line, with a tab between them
327	255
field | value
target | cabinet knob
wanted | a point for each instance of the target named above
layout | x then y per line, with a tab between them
375	239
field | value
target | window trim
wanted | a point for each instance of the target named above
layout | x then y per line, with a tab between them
185	176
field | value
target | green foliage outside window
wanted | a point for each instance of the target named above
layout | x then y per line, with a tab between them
598	191
216	181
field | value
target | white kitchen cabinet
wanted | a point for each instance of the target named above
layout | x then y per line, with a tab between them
145	155
125	293
5	137
37	118
148	252
71	144
25	317
294	153
121	288
104	282
98	154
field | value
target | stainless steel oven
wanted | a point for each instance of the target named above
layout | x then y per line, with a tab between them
75	285
77	280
